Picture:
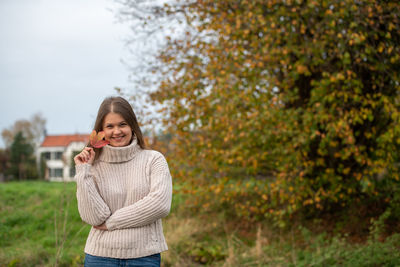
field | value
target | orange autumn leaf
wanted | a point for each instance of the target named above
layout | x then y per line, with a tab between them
97	139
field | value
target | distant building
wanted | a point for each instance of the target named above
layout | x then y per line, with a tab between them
55	156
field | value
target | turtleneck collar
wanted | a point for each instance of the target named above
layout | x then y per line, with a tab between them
120	154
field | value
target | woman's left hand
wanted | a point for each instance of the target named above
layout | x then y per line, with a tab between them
101	227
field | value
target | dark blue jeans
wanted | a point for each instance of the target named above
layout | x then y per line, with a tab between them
148	261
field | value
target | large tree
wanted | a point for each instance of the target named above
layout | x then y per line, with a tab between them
283	104
22	160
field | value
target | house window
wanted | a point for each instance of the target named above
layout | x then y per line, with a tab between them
58	172
58	155
46	155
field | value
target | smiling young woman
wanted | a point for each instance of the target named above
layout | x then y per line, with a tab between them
123	191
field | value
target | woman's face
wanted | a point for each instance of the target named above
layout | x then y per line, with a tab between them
117	130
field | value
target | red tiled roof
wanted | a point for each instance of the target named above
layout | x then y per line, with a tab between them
64	140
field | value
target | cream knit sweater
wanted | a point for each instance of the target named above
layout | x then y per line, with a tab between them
129	189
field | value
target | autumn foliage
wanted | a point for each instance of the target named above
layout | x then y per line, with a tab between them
97	139
278	107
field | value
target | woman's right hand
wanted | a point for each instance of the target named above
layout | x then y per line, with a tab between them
86	156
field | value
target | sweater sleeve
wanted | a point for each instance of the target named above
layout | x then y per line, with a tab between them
92	208
154	206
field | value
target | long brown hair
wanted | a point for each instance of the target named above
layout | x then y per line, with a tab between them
117	104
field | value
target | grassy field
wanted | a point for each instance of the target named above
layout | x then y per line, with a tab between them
40	226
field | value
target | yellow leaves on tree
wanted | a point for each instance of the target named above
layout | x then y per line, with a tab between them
299	99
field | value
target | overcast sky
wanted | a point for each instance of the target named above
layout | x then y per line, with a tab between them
60	58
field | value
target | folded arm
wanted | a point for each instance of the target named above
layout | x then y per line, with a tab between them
153	206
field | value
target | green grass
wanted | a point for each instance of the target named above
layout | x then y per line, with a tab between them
40	226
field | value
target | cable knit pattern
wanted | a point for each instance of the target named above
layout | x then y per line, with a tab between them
130	190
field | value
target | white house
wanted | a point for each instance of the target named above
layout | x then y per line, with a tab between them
55	156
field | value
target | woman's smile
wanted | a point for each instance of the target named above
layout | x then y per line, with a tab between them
118	138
